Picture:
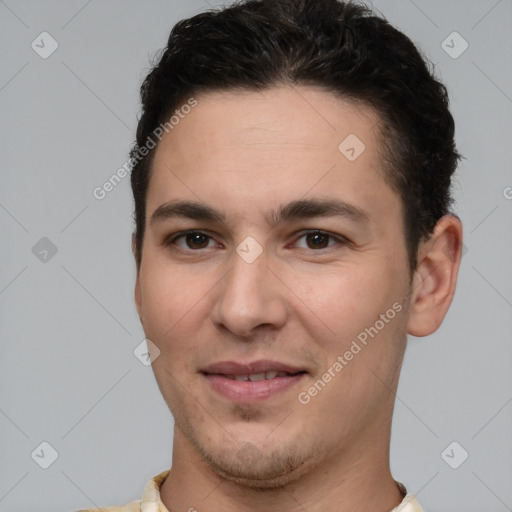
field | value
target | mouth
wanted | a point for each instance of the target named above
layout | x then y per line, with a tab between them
256	377
253	382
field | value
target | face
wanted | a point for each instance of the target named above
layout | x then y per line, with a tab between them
274	281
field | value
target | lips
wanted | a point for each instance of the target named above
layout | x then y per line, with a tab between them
251	382
253	368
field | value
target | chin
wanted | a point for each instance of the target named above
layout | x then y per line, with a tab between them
256	469
253	456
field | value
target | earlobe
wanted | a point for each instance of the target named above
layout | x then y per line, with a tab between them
435	277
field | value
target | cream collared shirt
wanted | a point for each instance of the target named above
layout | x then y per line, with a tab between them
151	501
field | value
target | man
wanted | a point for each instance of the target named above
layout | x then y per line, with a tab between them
292	190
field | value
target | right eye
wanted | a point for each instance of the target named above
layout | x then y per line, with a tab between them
190	241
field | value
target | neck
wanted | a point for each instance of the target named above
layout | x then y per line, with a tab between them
358	478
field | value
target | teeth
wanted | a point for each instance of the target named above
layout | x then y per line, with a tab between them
271	375
241	377
256	376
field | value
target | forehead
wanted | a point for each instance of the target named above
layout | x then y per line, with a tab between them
309	117
255	148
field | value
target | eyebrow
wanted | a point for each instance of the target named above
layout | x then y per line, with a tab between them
299	209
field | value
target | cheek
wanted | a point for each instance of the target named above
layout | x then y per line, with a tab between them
356	381
170	299
347	300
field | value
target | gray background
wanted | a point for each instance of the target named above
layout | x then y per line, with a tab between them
69	325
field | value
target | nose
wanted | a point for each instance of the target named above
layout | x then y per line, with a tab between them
250	298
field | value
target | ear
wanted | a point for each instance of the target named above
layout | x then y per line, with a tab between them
435	277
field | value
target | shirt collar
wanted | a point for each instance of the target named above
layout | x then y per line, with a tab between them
151	501
409	503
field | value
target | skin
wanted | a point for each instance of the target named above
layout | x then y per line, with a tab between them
246	154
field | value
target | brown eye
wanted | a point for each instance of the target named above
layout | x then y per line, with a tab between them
191	240
317	240
197	240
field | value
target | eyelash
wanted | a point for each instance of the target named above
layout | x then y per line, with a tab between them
170	241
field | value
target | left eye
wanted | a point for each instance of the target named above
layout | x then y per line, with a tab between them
318	240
